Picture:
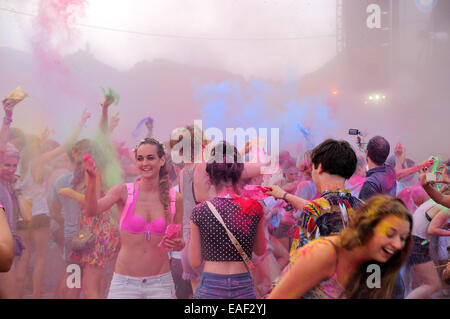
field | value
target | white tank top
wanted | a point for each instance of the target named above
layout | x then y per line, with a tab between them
36	194
420	221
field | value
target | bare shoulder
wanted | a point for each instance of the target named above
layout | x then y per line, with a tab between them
179	197
322	252
324	245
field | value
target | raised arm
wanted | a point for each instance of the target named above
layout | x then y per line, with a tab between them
434	194
114	122
279	193
438	221
8	107
399	158
93	205
408	171
38	163
149	126
400	161
104	119
252	169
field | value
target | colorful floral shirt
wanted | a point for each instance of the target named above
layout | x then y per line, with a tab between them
324	216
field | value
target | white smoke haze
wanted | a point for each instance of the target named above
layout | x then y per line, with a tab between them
173	47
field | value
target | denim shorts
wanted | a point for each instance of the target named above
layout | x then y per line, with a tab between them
153	287
218	286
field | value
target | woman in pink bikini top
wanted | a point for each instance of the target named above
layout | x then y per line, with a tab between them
135	224
150	225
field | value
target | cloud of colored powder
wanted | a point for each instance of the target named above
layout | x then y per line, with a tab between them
52	35
303	121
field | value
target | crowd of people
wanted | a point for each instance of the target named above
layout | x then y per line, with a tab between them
140	224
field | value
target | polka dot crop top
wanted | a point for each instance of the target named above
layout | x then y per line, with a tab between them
241	217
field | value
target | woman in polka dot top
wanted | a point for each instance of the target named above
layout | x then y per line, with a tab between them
225	274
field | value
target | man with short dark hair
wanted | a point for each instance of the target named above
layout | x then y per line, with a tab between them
380	178
333	162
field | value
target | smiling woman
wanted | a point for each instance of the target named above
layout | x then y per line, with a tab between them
337	267
148	209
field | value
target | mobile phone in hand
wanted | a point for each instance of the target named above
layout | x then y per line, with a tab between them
431	177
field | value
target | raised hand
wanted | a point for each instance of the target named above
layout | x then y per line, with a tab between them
114	121
423	177
149	125
426	164
250	143
108	101
89	165
399	150
44	134
275	191
84	117
443	171
8	106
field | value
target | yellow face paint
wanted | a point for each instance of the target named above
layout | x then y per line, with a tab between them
383	228
390	222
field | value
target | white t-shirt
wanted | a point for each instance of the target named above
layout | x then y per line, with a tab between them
420	221
36	194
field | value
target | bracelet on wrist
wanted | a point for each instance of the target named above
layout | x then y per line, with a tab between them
284	196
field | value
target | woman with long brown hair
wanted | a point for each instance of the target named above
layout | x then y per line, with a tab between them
142	268
377	239
94	259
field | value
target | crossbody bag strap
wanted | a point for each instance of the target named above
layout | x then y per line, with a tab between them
233	239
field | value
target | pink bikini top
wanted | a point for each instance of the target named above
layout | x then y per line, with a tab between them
135	224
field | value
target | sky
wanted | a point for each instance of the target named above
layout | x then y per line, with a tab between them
250	56
289	37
